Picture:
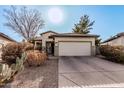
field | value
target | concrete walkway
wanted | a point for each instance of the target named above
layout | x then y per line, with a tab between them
89	72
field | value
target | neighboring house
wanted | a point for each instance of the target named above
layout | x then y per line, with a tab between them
117	40
4	39
67	44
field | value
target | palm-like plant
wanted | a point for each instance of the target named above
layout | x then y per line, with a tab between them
76	29
84	26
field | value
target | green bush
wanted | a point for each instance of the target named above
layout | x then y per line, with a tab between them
113	53
13	50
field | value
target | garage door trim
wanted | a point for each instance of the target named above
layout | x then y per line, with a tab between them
77	41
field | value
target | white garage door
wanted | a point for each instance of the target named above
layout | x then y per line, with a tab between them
74	48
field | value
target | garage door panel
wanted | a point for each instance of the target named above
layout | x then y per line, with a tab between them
74	48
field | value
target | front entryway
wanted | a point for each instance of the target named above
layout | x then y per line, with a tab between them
50	48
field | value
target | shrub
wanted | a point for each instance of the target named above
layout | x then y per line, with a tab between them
27	46
13	50
7	72
35	57
113	53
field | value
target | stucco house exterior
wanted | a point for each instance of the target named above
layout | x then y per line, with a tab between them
4	39
67	44
117	40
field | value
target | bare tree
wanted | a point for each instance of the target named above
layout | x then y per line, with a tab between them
25	22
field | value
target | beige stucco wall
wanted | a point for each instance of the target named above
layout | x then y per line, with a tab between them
45	37
92	39
119	41
122	40
4	40
82	39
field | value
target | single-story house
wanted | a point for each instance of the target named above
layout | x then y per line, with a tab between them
67	44
4	39
117	40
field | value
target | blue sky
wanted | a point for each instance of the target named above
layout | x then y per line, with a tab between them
109	20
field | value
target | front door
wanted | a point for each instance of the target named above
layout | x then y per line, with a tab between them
50	48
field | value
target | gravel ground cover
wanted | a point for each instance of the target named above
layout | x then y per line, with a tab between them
44	76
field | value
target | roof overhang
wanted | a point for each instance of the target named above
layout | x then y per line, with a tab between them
48	32
37	40
7	37
114	37
74	35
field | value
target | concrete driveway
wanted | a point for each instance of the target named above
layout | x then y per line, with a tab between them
89	72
